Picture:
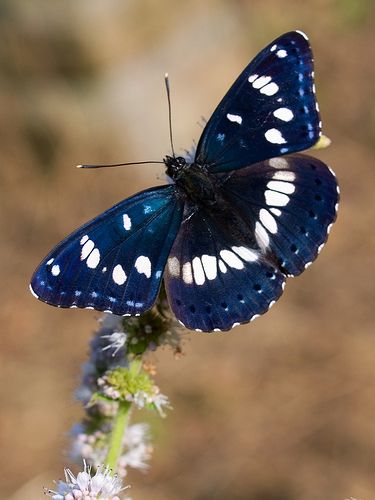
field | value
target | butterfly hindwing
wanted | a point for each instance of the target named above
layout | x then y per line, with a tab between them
290	204
270	110
114	262
214	279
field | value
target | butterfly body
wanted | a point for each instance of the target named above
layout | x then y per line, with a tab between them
239	216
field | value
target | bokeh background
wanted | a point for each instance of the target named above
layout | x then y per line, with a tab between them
282	409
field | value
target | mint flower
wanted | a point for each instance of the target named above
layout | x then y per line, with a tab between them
101	486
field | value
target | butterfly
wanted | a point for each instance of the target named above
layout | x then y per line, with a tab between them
238	217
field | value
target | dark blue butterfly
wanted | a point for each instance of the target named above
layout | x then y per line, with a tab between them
237	220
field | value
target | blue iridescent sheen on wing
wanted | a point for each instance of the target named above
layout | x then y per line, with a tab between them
114	262
290	204
270	110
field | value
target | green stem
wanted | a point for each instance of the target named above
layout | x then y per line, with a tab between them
135	366
118	430
120	423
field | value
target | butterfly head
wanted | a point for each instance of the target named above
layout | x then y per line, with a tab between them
175	165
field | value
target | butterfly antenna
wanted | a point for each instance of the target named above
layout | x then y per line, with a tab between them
166	78
118	164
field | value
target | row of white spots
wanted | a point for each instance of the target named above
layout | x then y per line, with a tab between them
276	194
234	118
89	252
208	266
263	84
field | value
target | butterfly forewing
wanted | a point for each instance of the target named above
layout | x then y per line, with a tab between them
269	111
116	261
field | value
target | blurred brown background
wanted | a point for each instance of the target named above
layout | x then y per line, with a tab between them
282	409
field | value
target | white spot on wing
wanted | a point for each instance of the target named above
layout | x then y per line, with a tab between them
276	211
270	89
278	163
84	239
284	114
273	135
199	277
284	175
246	253
127	222
261	236
50	262
283	187
87	248
209	263
273	48
268	220
234	118
143	265
174	266
118	275
261	81
252	78
222	266
231	259
281	53
55	270
187	273
93	259
276	199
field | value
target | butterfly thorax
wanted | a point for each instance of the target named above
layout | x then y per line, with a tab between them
192	180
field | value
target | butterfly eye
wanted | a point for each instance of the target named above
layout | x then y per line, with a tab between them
180	162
